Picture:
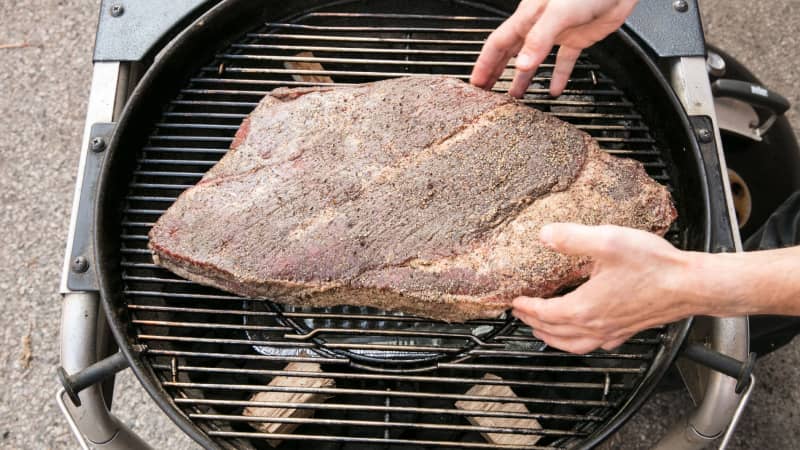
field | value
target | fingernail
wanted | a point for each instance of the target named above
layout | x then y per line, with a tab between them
546	235
524	61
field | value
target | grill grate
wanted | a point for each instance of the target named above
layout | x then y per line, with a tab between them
398	379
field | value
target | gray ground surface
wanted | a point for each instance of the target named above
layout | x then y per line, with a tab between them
43	93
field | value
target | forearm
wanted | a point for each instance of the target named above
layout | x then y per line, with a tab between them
732	284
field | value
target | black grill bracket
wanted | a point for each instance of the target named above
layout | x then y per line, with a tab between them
82	276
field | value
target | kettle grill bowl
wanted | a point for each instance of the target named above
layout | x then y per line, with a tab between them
207	351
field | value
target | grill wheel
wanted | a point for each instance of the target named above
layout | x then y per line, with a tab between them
397	381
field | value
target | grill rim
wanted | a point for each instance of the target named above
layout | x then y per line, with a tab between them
107	218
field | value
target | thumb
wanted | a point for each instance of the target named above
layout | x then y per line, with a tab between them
603	241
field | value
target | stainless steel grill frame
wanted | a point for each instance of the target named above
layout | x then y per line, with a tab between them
183	325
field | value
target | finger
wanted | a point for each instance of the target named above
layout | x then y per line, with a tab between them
504	42
565	62
578	345
552	311
542	36
520	84
498	74
601	241
564	330
490	64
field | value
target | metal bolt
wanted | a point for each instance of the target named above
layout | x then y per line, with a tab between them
715	64
680	5
117	10
98	144
705	136
80	264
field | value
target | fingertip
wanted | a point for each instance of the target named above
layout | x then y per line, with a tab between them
557	234
546	235
556	90
558	83
521	301
478	78
520	83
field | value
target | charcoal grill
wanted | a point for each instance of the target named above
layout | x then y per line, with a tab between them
203	354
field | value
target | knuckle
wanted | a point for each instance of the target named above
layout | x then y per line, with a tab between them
537	43
582	313
609	239
600	325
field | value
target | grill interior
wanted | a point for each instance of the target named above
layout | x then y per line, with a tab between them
398	381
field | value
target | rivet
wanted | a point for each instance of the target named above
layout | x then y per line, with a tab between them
80	264
715	64
117	10
680	5
705	136
97	144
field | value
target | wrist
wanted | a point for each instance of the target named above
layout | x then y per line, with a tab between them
718	284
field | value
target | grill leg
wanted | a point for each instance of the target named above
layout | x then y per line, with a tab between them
93	424
718	403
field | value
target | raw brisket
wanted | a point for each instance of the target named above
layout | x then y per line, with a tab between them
420	195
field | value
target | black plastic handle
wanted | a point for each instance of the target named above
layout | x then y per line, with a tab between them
753	94
97	372
738	370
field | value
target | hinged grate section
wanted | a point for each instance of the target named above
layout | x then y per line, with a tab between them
252	374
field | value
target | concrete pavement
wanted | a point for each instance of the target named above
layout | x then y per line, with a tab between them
43	93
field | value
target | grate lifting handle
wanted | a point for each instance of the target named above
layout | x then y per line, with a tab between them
714	360
96	373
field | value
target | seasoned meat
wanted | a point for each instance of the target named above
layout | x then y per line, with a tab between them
421	195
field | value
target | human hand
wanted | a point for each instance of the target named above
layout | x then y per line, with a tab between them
533	30
638	281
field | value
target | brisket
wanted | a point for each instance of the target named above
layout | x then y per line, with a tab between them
420	195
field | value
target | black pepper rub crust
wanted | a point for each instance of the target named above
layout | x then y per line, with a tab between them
422	195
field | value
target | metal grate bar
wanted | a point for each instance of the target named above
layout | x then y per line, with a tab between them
360	73
490	367
275	343
212	151
294	26
372	423
166	173
150	198
532	354
403	16
219	326
267	82
209	126
429	395
381	39
380	376
159	186
128	223
398	409
183	295
320	48
376	441
370	61
248	105
300	315
170	162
